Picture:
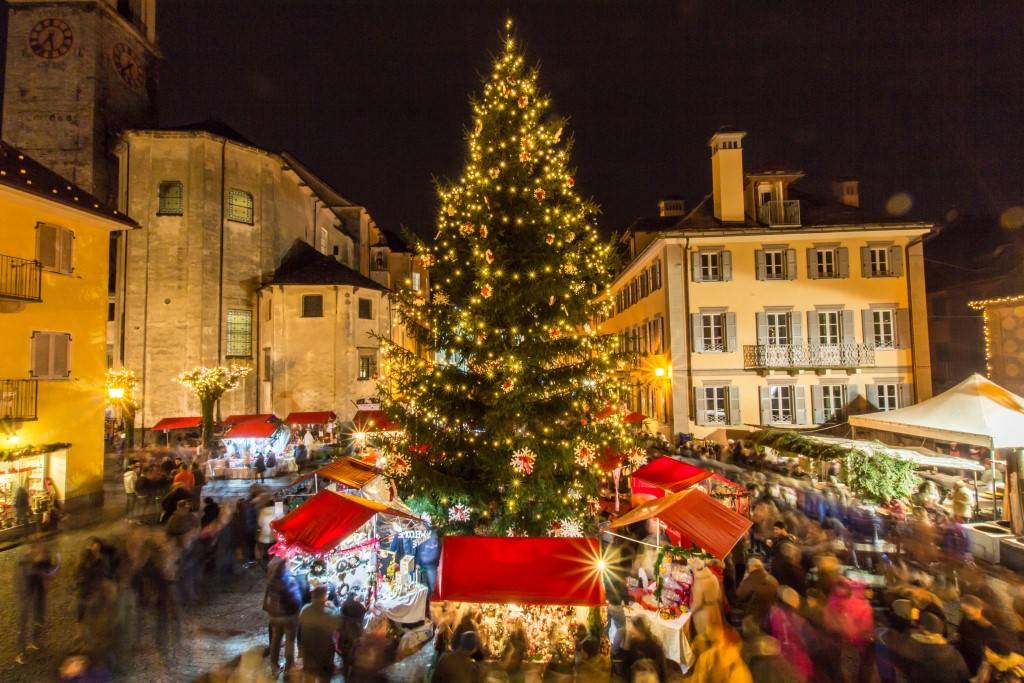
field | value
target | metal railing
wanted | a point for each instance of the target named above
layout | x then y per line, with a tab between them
780	212
20	279
787	356
19	399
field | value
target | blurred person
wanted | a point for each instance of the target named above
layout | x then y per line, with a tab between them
705	591
975	632
756	593
245	527
35	569
963	501
787	569
282	602
788	627
1001	665
517	644
169	503
891	642
763	656
642	645
928	658
130	477
183	520
93	568
848	615
375	651
81	668
101	624
456	666
183	475
350	630
199	481
260	467
265	534
719	659
319	623
210	512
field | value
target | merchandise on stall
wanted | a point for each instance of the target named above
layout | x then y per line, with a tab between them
24	472
246	437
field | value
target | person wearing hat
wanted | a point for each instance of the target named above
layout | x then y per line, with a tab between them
458	666
756	593
787	627
974	632
929	658
893	640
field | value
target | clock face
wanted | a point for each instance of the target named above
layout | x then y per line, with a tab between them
128	66
51	38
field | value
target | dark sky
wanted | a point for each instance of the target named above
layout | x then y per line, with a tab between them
925	98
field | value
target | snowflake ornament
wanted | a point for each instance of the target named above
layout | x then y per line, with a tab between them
522	461
467	229
550	239
523	101
459	513
440	297
508	384
397	466
483	231
636	457
585	454
555	332
485	291
524	156
539	193
566	528
489	256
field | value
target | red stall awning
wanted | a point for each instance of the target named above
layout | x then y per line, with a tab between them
533	571
349	472
169	423
314	417
696	515
666	473
252	427
234	419
328	518
374	420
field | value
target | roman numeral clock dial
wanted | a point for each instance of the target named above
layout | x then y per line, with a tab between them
128	67
50	39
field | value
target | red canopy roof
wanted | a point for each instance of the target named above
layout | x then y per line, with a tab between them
373	421
537	571
315	417
256	427
328	518
696	515
232	419
169	423
668	474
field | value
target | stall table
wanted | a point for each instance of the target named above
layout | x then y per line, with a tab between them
671	633
407	608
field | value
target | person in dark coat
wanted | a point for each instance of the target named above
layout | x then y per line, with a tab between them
35	568
643	645
757	591
93	569
351	630
260	467
282	602
975	632
787	570
458	666
169	504
197	488
928	658
428	555
183	520
318	624
374	652
210	512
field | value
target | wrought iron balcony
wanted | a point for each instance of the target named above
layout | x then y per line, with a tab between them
19	399
20	279
813	356
779	213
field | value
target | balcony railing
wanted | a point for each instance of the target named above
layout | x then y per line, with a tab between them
20	279
815	356
778	213
19	399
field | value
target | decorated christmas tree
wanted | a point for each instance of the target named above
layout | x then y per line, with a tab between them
500	430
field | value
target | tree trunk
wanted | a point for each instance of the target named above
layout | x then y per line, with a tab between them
129	428
206	405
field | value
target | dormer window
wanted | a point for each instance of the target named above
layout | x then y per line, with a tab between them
764	194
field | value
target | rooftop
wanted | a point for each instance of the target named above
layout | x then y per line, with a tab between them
22	172
304	265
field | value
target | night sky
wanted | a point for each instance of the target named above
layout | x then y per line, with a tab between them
925	99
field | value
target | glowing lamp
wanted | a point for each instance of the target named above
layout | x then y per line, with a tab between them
359	436
115	392
659	372
13	439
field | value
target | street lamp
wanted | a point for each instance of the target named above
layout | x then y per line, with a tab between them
115	393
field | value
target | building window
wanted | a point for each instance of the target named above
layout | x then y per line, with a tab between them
172	198
111	311
240	206
715	402
710	265
268	368
367	367
415	281
366	309
239	333
322	236
645	284
775	265
656	275
778	329
879	258
833	400
312	306
781	403
55	248
765	195
883	329
711	324
51	355
829	332
825	263
887	396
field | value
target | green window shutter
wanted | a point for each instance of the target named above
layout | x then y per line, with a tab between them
698	332
813	333
695	266
730	332
796	332
699	406
906	395
812	263
762	328
46	246
872	396
849	336
853	399
867	322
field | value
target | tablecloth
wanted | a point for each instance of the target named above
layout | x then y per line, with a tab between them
671	633
406	608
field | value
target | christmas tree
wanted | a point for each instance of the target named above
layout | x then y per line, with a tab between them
500	435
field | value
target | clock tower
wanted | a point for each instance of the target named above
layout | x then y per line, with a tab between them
78	72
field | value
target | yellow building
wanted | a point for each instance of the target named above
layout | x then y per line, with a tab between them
54	250
764	305
1004	340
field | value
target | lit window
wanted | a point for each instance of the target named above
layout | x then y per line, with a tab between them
55	248
775	265
781	402
710	265
715	411
826	262
51	355
887	396
884	335
172	198
415	281
239	333
312	306
712	331
240	206
833	400
879	261
366	309
367	367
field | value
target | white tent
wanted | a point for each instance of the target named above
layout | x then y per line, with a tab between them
977	412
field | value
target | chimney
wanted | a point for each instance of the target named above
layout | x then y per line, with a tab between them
727	174
847	191
671	206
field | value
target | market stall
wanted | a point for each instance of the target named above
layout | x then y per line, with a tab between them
664	474
32	481
172	424
369	420
247	436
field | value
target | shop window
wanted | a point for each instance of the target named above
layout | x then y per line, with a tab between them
55	248
172	198
239	333
367	367
366	309
240	207
51	355
312	306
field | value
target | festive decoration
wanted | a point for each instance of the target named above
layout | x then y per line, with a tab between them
121	385
459	513
522	461
509	312
566	528
637	457
584	454
208	385
397	465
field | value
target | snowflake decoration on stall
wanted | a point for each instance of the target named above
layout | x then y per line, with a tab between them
566	528
522	460
459	513
585	454
397	466
637	457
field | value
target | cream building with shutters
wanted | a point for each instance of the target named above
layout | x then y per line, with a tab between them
764	305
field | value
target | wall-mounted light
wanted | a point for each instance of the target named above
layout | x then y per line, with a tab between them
115	393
